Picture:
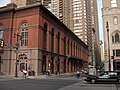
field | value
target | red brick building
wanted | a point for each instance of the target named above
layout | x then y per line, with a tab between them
36	40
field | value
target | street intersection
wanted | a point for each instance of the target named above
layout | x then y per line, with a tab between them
53	83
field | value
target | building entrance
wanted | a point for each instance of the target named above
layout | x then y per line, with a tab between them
44	64
23	62
116	64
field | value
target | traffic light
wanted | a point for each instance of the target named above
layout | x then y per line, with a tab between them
1	43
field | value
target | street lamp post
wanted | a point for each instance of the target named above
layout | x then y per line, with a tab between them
17	60
107	26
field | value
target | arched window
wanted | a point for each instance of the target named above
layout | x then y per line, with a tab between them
1	31
115	20
117	38
52	40
71	47
58	42
24	34
113	41
45	36
74	49
23	56
65	45
68	46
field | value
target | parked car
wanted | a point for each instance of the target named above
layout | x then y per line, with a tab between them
106	76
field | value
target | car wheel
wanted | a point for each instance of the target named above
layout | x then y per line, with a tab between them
93	81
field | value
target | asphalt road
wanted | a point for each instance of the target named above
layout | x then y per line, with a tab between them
87	86
54	84
33	84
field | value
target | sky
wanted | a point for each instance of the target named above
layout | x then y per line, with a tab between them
99	2
4	2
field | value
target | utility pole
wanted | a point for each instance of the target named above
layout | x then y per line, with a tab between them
107	26
17	50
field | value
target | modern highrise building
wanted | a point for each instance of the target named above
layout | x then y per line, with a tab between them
78	15
111	19
96	54
20	3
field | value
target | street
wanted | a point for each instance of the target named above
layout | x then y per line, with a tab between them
54	84
33	84
87	86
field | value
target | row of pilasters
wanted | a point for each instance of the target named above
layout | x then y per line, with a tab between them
59	64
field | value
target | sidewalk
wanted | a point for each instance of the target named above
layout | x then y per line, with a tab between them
52	76
58	76
4	77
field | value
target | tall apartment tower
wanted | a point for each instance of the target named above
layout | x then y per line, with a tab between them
111	17
55	6
96	54
20	3
81	16
78	15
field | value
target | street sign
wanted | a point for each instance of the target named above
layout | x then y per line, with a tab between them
17	51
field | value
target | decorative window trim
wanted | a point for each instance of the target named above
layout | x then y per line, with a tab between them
45	36
115	20
52	40
24	34
23	57
116	52
116	37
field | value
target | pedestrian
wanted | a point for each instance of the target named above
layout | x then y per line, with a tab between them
24	73
47	73
78	74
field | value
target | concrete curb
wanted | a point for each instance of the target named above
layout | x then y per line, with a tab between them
52	76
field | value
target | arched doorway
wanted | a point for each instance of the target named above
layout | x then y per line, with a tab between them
58	65
44	64
23	62
52	64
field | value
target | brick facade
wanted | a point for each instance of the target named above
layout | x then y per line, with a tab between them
50	44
